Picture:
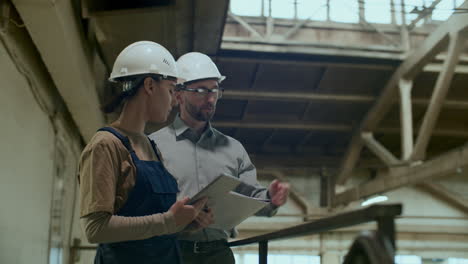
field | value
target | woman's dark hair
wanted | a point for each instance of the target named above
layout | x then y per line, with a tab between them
134	82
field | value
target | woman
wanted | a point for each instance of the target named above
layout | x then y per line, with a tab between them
128	199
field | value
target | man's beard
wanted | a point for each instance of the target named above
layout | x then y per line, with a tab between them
198	114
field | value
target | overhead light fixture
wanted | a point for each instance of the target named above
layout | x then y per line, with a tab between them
375	199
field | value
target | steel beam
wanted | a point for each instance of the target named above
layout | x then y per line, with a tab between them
423	14
407	70
333	98
379	150
208	24
276	125
65	57
444	165
457	43
445	195
295	29
406	119
350	159
245	25
253	59
280	161
253	122
302	47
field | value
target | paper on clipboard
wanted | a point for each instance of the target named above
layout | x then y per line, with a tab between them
233	208
219	187
229	208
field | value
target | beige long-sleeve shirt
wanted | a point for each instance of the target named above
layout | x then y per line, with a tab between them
107	175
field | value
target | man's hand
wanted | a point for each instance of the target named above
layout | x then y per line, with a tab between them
183	213
279	192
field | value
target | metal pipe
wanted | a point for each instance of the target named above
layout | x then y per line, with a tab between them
263	252
368	214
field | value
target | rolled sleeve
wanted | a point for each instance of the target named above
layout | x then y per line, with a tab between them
97	179
250	185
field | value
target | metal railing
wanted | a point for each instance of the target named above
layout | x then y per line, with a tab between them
383	239
376	247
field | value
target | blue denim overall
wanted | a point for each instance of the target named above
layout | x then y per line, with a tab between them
154	192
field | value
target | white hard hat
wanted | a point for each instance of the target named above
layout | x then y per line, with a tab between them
197	66
144	57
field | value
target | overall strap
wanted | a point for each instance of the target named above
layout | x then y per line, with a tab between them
122	138
153	144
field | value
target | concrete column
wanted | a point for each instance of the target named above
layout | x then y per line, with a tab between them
330	257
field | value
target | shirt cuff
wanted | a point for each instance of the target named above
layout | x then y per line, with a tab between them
270	209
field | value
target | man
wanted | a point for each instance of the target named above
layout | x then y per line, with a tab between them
196	153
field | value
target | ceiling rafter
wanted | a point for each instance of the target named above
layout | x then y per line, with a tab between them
254	122
441	192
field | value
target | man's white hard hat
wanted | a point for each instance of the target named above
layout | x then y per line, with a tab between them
195	66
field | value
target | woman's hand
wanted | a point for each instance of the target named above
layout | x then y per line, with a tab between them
205	218
185	214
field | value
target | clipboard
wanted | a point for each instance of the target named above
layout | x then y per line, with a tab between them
229	208
219	187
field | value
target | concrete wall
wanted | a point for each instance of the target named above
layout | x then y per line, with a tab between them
25	192
38	160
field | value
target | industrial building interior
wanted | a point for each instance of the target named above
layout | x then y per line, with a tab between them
347	100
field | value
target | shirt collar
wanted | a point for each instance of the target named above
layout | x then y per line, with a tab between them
180	127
